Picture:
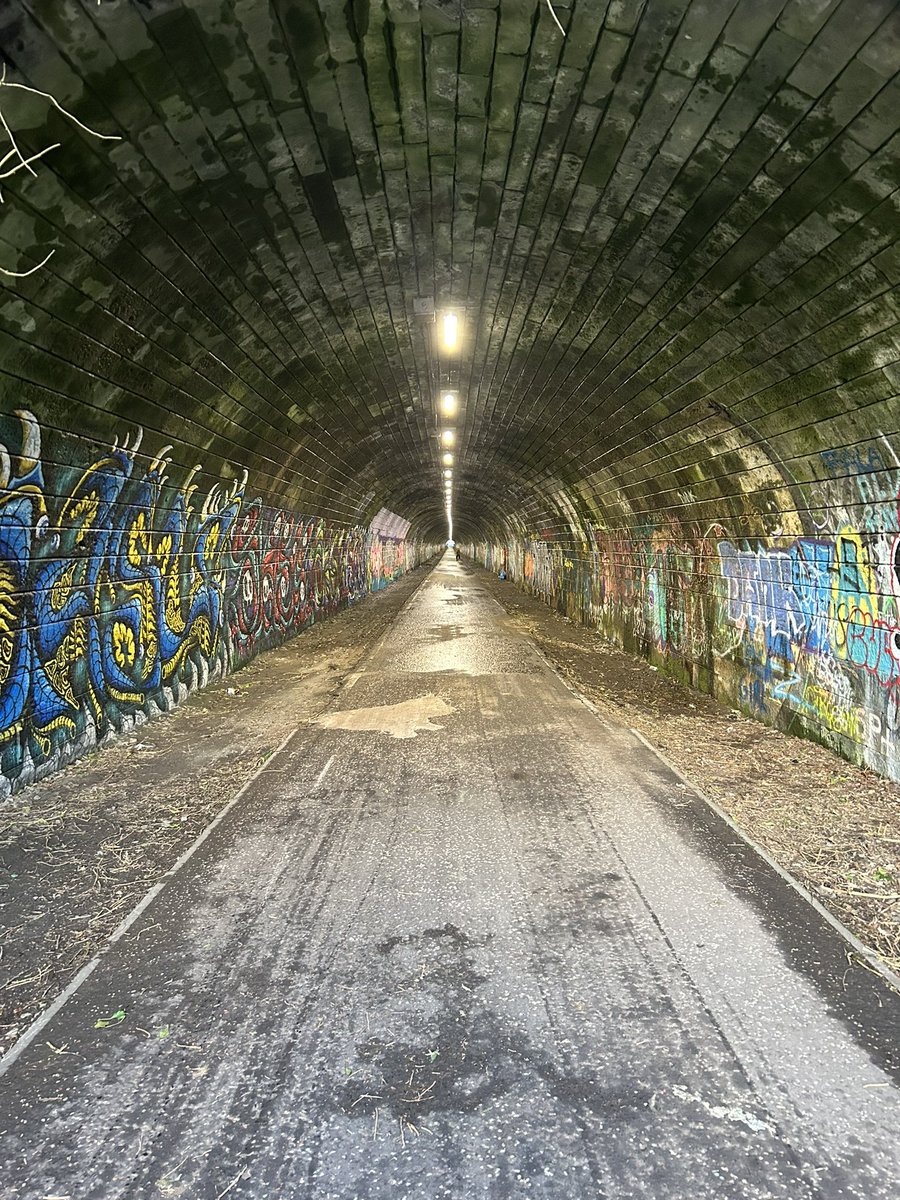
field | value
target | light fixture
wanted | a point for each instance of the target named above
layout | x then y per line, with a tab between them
450	330
447	460
448	437
448	404
448	474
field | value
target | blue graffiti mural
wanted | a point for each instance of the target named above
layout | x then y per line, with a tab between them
781	596
105	604
121	589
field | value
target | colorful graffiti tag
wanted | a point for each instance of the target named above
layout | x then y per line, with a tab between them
120	592
289	573
387	561
803	632
107	604
816	634
650	588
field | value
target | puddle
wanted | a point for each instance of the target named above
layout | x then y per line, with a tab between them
404	720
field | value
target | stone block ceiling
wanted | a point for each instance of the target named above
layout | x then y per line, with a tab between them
670	234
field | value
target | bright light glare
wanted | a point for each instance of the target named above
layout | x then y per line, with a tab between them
451	330
448	404
447	460
448	474
448	437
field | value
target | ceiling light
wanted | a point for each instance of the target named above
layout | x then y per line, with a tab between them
447	460
450	330
448	437
448	404
448	474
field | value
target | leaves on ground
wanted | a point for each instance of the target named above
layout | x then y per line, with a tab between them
116	1019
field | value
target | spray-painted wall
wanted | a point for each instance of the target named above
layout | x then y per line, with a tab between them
123	587
800	630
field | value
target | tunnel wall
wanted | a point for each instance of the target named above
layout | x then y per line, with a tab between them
124	586
802	632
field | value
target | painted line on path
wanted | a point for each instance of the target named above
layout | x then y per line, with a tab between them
37	1026
40	1023
870	958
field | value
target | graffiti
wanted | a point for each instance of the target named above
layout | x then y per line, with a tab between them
861	636
501	557
289	572
106	604
802	631
852	460
120	591
386	561
861	490
781	597
818	637
817	598
542	572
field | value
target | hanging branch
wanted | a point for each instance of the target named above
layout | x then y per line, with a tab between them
21	163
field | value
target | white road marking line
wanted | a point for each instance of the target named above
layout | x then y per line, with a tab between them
18	1047
863	951
323	773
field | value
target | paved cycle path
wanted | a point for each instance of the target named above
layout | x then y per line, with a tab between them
463	938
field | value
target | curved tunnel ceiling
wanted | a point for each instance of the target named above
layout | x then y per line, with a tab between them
670	236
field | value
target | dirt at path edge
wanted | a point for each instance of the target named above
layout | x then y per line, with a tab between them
81	848
833	826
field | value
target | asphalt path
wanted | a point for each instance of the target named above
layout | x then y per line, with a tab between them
463	938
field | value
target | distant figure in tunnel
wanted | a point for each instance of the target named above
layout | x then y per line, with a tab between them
458	555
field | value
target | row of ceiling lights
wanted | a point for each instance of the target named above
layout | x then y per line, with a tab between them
448	406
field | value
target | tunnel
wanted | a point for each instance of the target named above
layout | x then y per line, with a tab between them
586	309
